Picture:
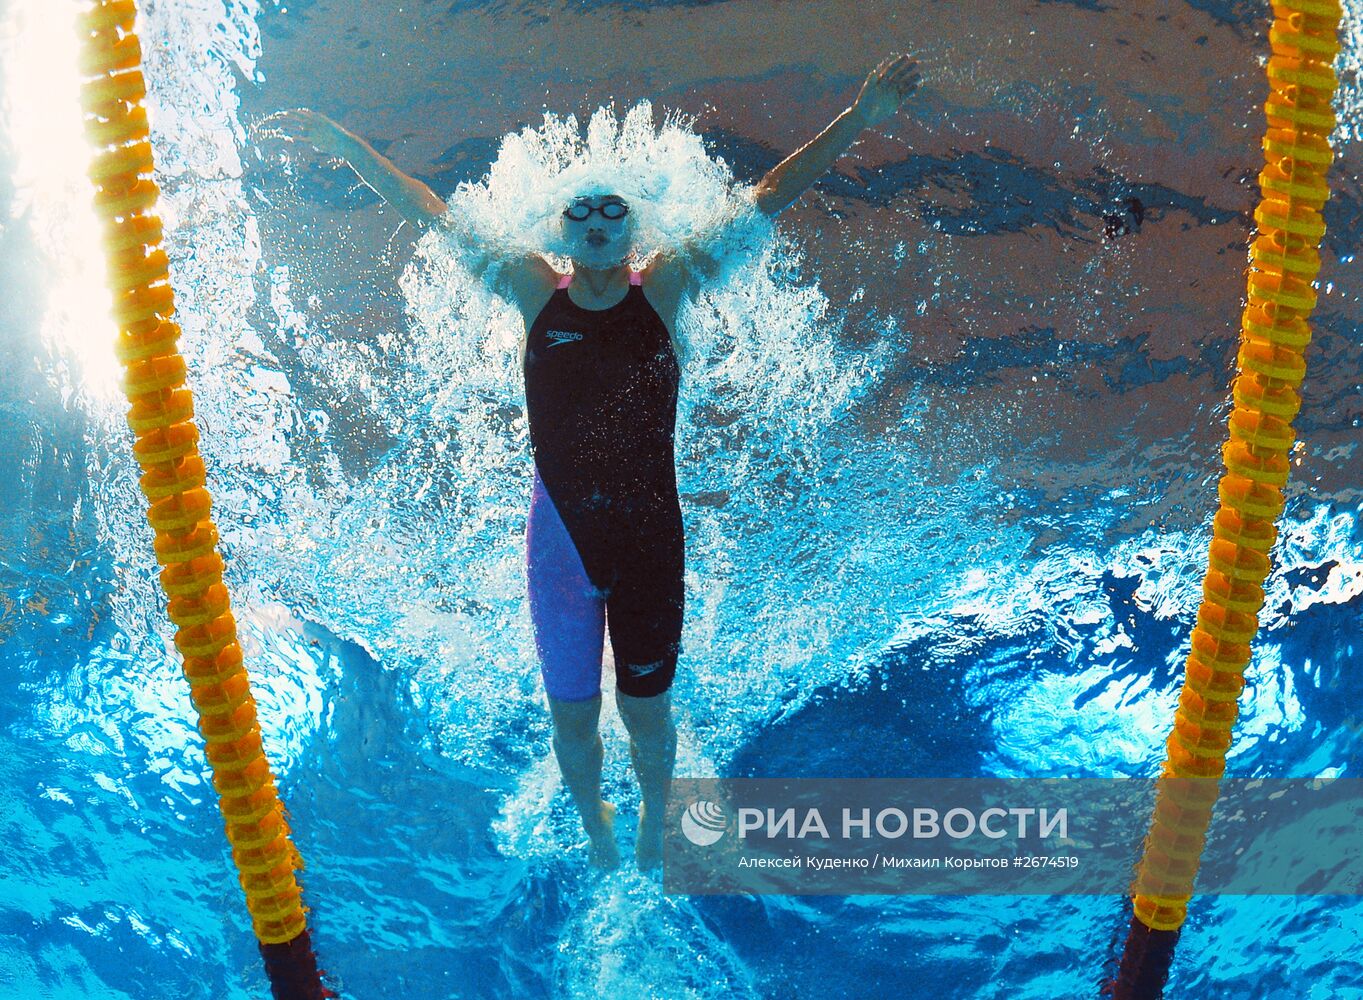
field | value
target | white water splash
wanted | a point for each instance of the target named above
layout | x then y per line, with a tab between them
1348	103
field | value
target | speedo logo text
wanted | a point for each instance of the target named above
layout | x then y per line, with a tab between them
559	337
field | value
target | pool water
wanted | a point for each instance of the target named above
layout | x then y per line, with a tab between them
947	459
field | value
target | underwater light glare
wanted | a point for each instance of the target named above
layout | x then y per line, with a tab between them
40	121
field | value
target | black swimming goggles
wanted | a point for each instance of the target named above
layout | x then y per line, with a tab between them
581	211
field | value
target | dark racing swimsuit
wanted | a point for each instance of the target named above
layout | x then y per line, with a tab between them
605	531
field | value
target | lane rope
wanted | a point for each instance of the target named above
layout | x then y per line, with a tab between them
161	416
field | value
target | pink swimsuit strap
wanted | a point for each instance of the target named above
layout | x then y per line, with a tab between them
635	278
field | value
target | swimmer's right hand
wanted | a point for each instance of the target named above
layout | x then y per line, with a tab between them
312	127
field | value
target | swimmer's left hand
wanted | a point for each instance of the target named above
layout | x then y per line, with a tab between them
886	88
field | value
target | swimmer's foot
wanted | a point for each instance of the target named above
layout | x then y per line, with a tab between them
603	853
648	844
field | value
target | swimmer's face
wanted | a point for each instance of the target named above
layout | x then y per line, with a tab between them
597	229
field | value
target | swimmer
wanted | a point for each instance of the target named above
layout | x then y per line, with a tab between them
604	536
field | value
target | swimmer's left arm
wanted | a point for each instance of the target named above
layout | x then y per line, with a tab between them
885	88
681	273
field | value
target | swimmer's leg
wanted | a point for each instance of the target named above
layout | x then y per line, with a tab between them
645	611
653	749
569	623
577	745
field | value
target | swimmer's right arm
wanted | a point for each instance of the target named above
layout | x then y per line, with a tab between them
520	279
416	202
